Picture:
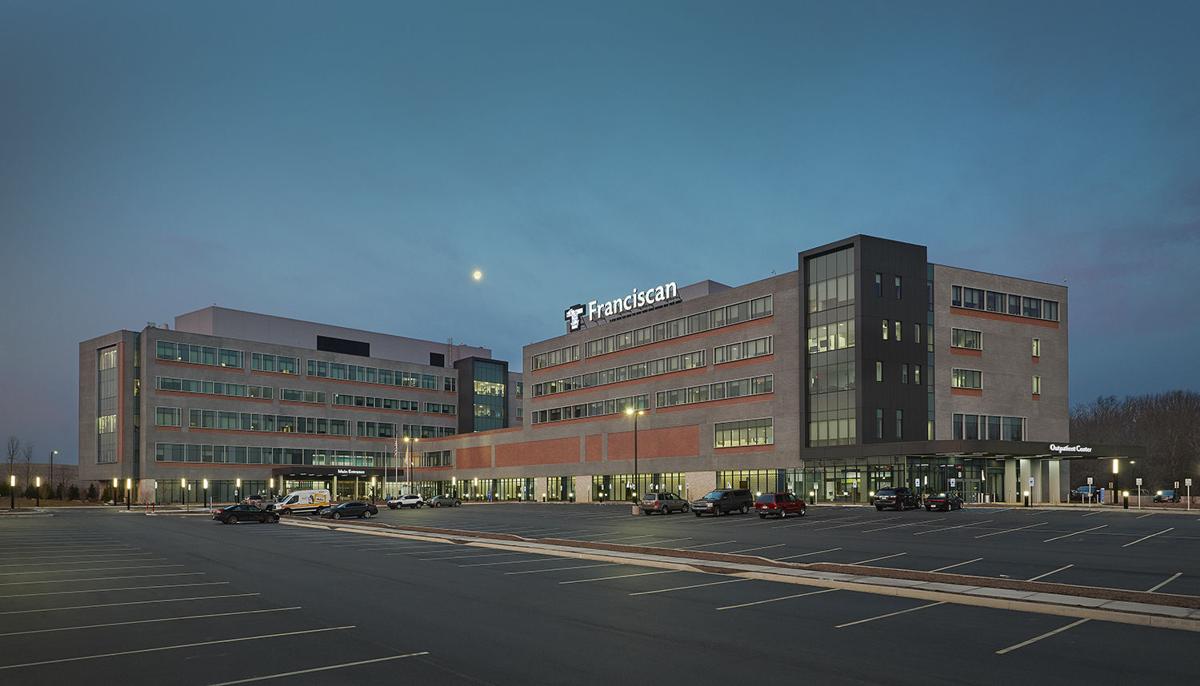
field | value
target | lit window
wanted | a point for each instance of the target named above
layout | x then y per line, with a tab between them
1037	385
1037	347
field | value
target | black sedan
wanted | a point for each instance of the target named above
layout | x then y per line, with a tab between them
244	512
444	501
353	508
944	502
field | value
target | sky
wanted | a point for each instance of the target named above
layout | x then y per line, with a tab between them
352	162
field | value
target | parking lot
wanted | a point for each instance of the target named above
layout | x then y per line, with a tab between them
140	599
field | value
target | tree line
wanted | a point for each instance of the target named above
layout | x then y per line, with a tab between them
20	462
1166	425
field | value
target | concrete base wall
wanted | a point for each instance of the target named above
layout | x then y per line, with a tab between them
583	488
698	483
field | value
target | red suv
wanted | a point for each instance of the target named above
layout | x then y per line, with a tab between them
779	504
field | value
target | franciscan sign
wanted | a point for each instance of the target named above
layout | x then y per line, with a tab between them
579	315
1079	449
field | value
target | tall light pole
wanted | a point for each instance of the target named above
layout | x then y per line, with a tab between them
12	491
38	493
396	459
183	493
128	492
237	491
635	414
52	454
205	482
116	485
408	465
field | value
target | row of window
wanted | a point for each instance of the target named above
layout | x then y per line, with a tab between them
436	458
237	390
757	385
897	285
743	350
979	427
264	362
321	426
833	431
1003	303
966	378
915	378
744	433
639	370
897	331
198	354
683	326
829	378
387	377
835	336
381	403
297	395
240	454
830	293
966	338
598	408
899	435
552	358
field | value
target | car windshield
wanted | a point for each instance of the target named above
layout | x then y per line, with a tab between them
713	495
766	498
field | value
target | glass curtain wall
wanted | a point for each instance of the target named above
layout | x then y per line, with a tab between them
606	487
831	283
560	488
489	396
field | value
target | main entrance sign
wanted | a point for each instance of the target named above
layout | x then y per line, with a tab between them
1060	449
577	315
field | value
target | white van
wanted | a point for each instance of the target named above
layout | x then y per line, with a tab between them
312	501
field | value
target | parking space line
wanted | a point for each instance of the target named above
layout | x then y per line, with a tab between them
705	545
684	588
958	564
876	559
666	540
893	526
1056	571
512	562
775	600
471	557
1164	583
81	562
151	621
815	552
1076	533
420	550
320	669
947	528
175	647
132	602
99	578
620	538
1035	639
620	576
96	569
1093	513
1146	537
890	614
826	528
562	569
103	590
761	547
1148	514
1006	531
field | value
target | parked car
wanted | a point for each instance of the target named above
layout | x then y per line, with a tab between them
313	500
410	500
444	501
663	503
351	508
723	501
1167	496
1085	493
895	498
244	512
944	502
779	504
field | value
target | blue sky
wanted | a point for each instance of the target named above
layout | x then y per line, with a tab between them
352	162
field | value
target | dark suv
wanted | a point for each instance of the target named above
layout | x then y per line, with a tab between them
723	501
895	498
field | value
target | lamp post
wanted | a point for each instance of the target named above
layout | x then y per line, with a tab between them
183	493
372	490
271	488
116	484
52	454
396	459
635	414
1116	468
128	492
237	490
205	482
408	465
38	493
12	491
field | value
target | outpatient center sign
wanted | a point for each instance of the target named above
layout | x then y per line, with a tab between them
577	315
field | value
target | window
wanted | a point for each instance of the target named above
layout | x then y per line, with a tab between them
972	298
450	383
899	329
166	416
665	365
966	378
1037	385
833	336
899	424
1050	310
878	370
198	354
721	390
971	427
745	350
916	333
904	373
879	422
1037	347
966	338
885	329
878	285
744	433
897	285
958	427
917	374
1014	304
994	301
555	357
956	296
703	321
1031	307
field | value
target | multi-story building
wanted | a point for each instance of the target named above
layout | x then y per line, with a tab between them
866	367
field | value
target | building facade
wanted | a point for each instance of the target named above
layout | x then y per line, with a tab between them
867	366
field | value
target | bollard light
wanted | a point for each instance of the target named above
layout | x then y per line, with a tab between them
37	481
205	482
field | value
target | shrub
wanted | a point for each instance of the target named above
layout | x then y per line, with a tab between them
91	492
58	491
31	492
72	492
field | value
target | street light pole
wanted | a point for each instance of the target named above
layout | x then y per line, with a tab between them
52	454
635	414
38	493
205	482
128	493
396	459
12	491
116	485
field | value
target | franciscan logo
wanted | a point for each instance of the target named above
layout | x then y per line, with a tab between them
575	315
1082	449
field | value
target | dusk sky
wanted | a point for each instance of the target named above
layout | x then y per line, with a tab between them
352	162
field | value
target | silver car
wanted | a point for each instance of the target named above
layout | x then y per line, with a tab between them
663	503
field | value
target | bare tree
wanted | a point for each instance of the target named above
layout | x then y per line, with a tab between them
27	461
14	449
1167	425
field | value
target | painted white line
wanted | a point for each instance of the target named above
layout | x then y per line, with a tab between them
876	559
105	590
1148	514
684	588
1093	513
893	526
1164	583
620	576
890	614
320	669
1035	639
705	545
511	562
959	564
625	538
471	557
99	578
1076	533
815	552
1056	571
562	569
123	558
423	551
666	540
151	621
947	528
1146	537
761	547
836	526
175	647
1006	531
132	602
96	569
776	600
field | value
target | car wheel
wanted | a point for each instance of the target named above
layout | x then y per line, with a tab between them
697	513
275	519
879	508
227	520
367	514
803	511
262	519
782	514
337	515
685	508
745	509
762	516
